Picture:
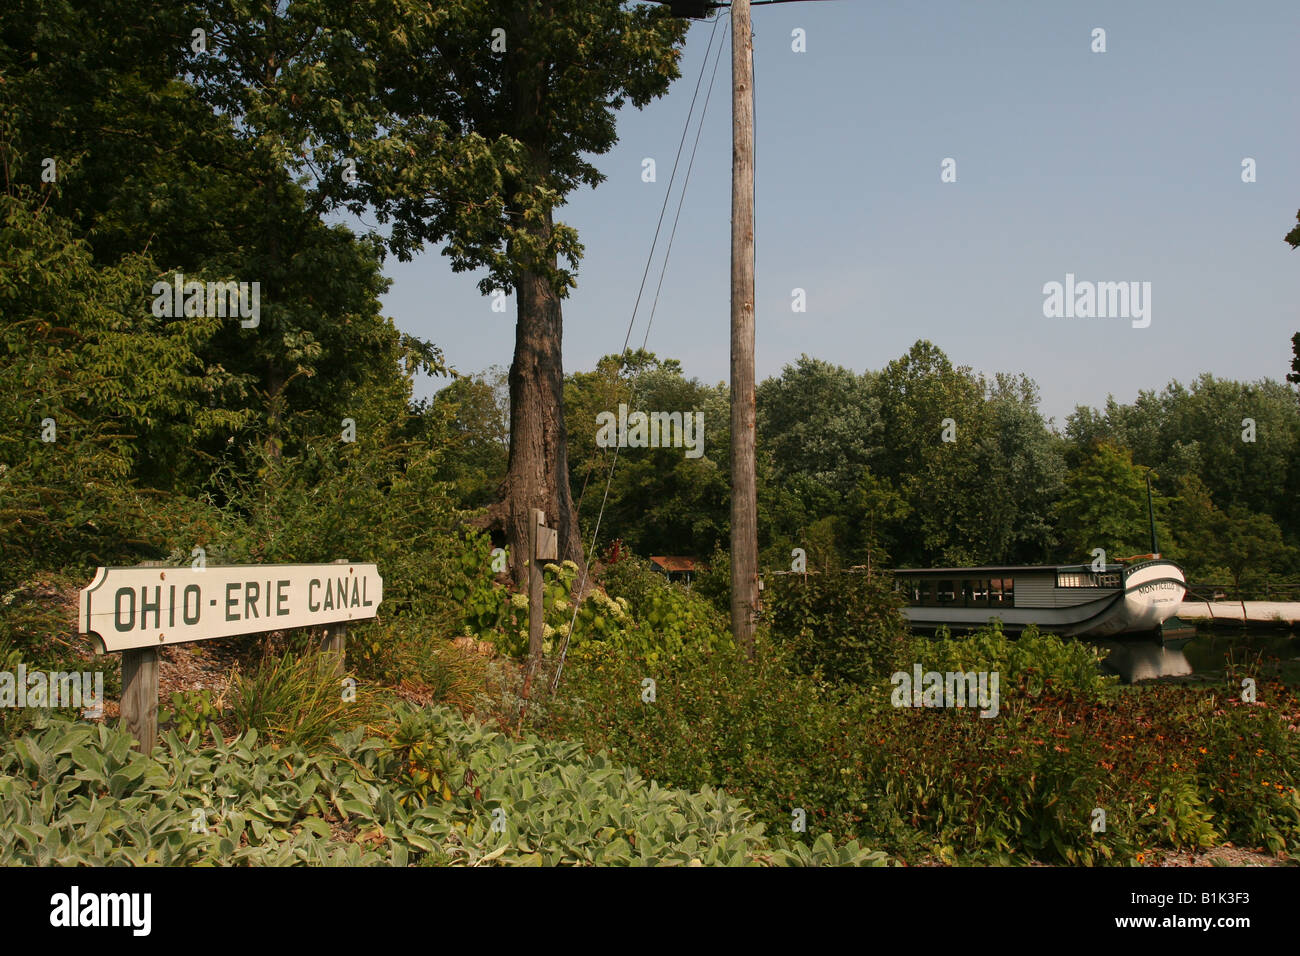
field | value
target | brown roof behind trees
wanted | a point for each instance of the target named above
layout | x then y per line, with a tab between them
673	563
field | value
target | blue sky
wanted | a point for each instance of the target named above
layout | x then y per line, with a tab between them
1115	166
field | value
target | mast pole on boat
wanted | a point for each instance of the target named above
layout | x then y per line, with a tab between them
1151	513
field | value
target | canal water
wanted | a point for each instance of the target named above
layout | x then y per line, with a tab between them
1207	656
1213	649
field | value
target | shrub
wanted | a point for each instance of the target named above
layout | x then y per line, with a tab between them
1030	665
713	581
190	712
482	603
776	739
1247	765
418	659
1170	766
846	627
640	613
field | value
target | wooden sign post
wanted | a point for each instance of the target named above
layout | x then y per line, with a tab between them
542	546
335	640
134	611
140	695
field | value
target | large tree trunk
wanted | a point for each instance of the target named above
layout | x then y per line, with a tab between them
537	475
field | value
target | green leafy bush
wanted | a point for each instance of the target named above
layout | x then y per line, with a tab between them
483	604
713	581
1169	766
639	614
1029	665
1248	765
846	627
776	739
417	657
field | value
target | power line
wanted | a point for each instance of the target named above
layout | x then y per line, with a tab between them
681	199
564	648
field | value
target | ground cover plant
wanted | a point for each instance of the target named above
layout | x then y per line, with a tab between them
434	789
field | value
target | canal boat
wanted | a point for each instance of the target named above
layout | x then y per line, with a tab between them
1134	598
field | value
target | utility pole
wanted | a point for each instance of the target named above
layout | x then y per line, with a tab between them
744	493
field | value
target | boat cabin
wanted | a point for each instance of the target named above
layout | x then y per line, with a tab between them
1006	586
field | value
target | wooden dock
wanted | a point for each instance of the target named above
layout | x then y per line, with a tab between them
1275	613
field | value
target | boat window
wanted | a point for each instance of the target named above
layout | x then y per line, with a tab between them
1088	579
964	592
1000	591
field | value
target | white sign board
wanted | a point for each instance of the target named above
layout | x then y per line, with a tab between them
124	608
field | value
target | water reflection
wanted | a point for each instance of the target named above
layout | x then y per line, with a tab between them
1206	656
1144	660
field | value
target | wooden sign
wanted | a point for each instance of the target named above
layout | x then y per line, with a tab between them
125	608
547	543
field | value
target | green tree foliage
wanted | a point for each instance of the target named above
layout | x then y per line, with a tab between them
1104	505
984	496
144	162
820	424
1252	545
467	124
880	505
818	427
1241	440
178	431
473	413
660	501
83	379
1198	525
